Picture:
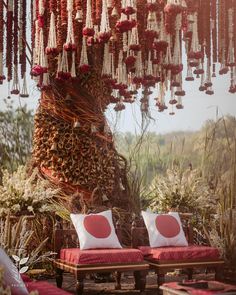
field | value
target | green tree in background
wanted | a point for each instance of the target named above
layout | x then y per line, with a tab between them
16	129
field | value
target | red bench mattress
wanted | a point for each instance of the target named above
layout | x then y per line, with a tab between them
101	256
180	253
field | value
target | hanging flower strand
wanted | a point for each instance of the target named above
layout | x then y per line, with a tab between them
105	30
15	84
131	45
88	31
2	76
40	58
52	35
9	39
70	38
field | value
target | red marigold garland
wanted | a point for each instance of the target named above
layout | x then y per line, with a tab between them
22	49
15	84
9	41
2	77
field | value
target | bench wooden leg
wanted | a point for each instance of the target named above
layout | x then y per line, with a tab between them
218	273
140	281
79	284
160	281
190	273
59	277
118	280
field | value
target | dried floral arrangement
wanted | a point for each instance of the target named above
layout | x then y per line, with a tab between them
185	191
18	239
21	194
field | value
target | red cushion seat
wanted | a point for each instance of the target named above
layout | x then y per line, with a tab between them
45	288
191	252
101	256
25	278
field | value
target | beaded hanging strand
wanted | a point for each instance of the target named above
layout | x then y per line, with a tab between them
88	30
2	77
70	38
15	84
22	38
84	65
40	59
52	35
63	8
214	31
9	39
105	30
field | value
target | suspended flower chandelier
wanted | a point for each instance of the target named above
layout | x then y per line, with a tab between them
133	44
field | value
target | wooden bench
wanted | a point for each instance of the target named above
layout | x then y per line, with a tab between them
139	236
66	238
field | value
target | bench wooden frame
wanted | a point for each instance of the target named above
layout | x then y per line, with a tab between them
67	238
161	267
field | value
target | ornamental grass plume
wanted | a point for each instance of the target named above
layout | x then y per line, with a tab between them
24	194
16	239
185	191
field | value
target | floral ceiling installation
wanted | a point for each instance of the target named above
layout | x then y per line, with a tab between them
140	44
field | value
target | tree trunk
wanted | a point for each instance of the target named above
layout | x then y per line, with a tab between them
73	145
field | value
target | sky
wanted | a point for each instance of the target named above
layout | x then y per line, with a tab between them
198	107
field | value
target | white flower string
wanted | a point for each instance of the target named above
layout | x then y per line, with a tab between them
70	39
84	56
73	69
15	82
64	62
149	70
176	54
52	38
105	26
139	65
89	21
106	68
24	89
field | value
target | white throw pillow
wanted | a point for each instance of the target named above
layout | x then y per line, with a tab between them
164	229
11	276
95	230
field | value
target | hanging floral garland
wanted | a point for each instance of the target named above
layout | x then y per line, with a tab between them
2	77
133	44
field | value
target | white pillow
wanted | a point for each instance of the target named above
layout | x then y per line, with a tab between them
164	229
95	230
11	276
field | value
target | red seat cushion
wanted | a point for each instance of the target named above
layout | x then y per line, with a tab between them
101	256
45	288
191	252
25	278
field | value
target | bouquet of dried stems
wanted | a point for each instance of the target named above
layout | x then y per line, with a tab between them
22	194
16	238
184	191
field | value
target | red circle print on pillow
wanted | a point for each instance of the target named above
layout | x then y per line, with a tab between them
167	226
97	226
